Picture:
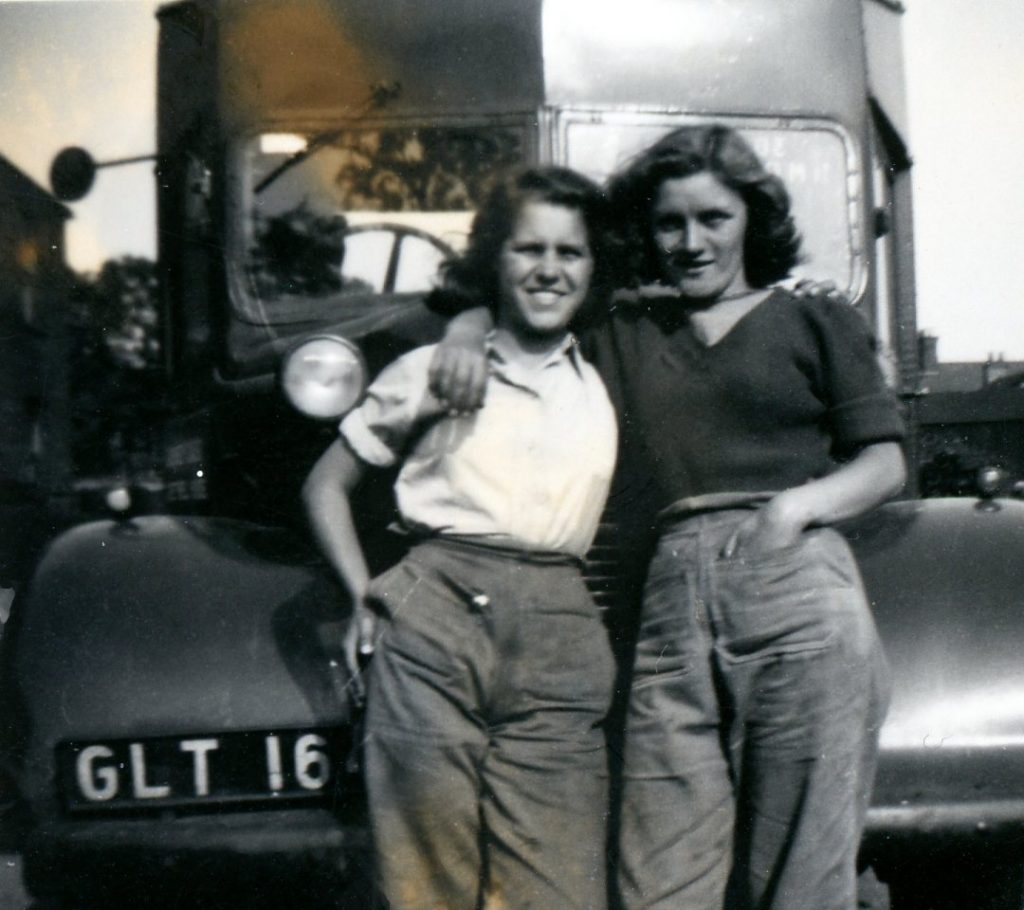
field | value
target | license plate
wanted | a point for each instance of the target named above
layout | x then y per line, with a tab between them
182	771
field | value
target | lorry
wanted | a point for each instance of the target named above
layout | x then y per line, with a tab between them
177	718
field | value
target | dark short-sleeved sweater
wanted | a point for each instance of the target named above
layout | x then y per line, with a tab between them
792	389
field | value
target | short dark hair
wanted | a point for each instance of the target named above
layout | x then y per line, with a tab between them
473	277
772	245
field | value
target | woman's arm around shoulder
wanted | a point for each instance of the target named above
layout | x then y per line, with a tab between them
458	371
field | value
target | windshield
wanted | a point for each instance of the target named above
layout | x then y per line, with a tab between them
813	158
331	219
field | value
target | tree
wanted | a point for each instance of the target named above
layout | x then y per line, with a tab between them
114	371
119	310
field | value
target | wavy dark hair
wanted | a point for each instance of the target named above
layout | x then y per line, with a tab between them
473	278
772	245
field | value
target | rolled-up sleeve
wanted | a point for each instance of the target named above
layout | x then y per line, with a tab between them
863	410
378	430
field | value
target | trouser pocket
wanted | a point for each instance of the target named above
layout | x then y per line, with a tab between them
799	599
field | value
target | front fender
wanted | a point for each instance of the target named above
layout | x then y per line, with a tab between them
946	581
171	625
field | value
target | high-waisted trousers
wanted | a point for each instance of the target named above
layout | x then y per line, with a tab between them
485	756
758	690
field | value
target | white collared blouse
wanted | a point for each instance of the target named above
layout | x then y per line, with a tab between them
530	469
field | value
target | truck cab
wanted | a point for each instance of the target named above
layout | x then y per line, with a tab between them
177	715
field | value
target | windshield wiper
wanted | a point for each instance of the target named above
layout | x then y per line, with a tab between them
380	94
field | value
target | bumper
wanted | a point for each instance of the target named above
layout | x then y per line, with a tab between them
935	827
928	801
251	857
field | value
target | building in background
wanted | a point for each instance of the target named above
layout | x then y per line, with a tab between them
35	464
969	417
962	375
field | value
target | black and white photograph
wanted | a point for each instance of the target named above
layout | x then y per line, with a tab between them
511	454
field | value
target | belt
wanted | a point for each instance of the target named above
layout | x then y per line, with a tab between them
710	502
520	554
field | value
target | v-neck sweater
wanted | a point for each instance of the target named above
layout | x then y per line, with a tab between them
791	390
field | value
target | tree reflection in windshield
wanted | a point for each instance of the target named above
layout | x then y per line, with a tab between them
421	170
300	252
297	227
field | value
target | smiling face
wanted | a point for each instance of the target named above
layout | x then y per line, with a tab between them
544	270
698	226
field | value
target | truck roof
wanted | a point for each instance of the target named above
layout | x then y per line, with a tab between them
462	57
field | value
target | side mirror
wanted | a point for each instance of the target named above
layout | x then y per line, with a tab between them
74	170
72	174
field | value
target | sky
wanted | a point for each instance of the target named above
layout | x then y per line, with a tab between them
965	83
79	72
82	72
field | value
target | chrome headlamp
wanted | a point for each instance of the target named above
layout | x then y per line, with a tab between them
989	480
323	376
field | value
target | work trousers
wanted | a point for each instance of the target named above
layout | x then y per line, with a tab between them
485	755
758	690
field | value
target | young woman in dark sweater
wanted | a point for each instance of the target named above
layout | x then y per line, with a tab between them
751	421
